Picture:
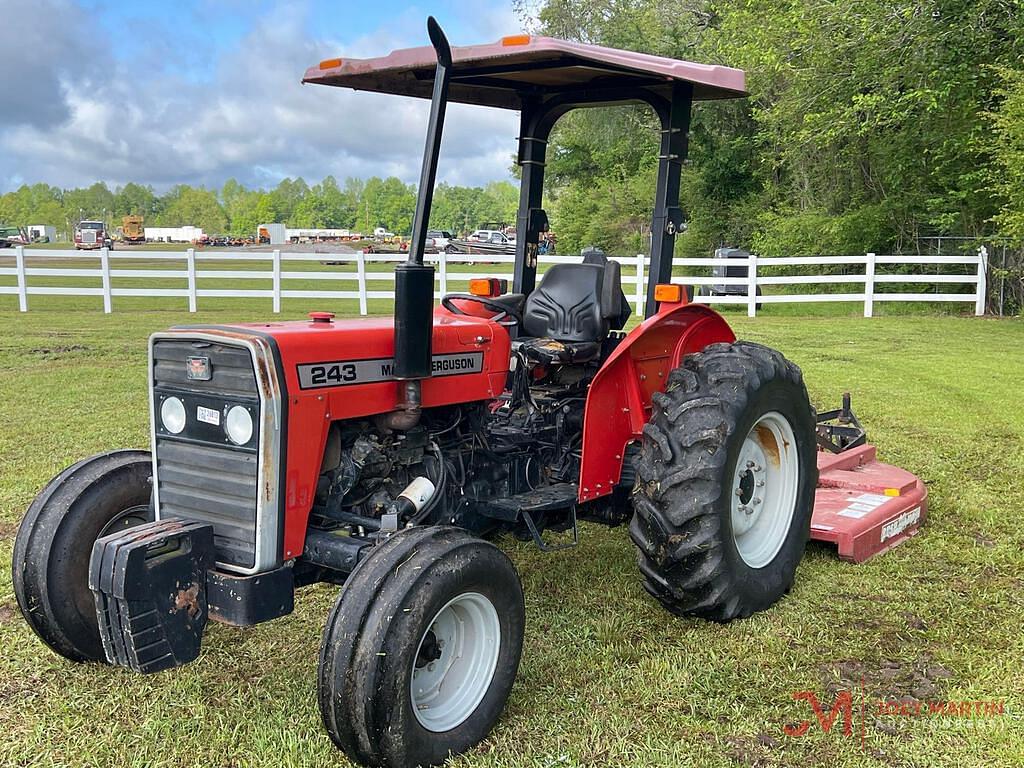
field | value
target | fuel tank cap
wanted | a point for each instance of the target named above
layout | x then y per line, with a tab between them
321	317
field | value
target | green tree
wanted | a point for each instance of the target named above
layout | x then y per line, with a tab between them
194	206
325	205
1007	172
95	202
135	199
287	196
388	203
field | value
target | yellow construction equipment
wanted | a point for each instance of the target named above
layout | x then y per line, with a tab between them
132	230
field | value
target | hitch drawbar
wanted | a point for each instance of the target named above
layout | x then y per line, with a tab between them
150	589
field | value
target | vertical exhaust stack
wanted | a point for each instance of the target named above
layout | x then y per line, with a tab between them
414	280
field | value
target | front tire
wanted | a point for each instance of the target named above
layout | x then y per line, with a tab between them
421	648
50	567
725	483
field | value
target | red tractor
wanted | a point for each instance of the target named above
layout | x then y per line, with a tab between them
385	454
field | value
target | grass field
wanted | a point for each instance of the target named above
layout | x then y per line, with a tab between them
608	678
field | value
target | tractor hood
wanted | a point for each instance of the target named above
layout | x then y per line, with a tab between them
351	360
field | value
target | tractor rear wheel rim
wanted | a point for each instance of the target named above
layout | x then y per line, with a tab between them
764	489
455	662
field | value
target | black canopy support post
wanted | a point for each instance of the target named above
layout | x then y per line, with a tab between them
534	130
414	280
668	218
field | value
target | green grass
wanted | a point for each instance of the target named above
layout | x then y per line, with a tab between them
608	678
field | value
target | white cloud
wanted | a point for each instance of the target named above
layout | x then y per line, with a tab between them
251	119
41	46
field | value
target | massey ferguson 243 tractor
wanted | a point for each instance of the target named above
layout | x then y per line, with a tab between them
383	455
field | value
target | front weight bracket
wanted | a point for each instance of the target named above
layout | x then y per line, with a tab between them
150	588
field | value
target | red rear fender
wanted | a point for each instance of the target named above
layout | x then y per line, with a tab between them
619	400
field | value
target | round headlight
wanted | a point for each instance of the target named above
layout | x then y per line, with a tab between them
238	425
172	414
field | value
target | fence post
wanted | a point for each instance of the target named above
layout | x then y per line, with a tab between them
869	285
442	270
105	277
277	281
979	305
752	286
1002	283
19	260
640	292
361	274
191	256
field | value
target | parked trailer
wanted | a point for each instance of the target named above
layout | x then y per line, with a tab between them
314	235
41	233
186	234
271	234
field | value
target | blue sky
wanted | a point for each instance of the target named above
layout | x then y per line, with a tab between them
205	29
204	90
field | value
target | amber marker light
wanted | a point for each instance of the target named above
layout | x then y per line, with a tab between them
509	40
487	286
668	293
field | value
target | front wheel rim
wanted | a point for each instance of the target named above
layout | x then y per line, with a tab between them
764	489
455	662
126	518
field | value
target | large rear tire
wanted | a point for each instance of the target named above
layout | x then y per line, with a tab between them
50	567
725	483
421	648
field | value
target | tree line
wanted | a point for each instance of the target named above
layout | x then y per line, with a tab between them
870	124
357	204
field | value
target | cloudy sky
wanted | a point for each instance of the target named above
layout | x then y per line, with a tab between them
198	91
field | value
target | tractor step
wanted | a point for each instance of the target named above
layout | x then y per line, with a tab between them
150	588
540	504
863	506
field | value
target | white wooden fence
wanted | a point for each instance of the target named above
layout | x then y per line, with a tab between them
974	274
272	270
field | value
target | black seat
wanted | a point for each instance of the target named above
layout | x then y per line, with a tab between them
570	313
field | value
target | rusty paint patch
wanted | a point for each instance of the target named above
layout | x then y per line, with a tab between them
768	442
187	600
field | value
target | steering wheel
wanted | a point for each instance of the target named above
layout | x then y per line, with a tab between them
503	311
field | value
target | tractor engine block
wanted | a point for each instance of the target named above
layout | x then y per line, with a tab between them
470	453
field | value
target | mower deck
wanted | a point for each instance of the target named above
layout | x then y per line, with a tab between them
863	506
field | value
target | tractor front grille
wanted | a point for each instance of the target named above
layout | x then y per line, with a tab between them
200	475
213	485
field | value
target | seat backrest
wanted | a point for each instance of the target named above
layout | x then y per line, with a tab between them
574	302
614	302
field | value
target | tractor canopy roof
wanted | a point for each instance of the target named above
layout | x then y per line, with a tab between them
500	74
